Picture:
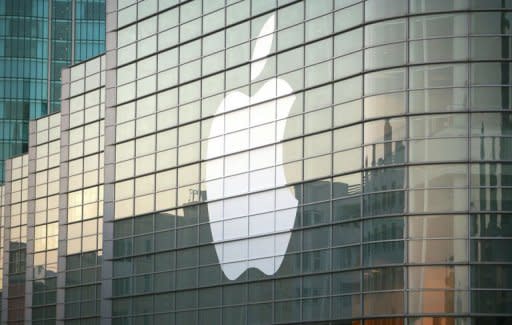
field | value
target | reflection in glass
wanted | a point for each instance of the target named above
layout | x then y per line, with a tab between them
383	229
491	225
384	130
436	126
388	31
346	233
346	208
436	76
438	150
346	282
346	257
438	301
441	49
383	154
384	303
383	253
438	176
383	279
438	251
347	307
451	226
491	276
384	81
385	56
390	202
316	309
491	250
439	26
438	277
438	100
493	302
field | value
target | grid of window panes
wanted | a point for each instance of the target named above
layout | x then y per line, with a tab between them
89	29
61	43
46	150
16	232
84	194
80	33
37	42
390	148
23	71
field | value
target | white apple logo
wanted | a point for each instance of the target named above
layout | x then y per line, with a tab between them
246	230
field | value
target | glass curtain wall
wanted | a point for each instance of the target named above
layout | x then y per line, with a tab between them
300	161
82	192
37	39
15	243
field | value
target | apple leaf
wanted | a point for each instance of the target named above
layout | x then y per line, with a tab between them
262	47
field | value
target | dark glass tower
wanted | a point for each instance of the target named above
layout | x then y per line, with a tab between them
37	39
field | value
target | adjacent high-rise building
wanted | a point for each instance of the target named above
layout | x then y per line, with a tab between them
272	162
37	39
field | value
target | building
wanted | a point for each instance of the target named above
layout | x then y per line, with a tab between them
37	39
272	162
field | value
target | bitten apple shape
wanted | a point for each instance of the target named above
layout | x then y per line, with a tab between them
229	234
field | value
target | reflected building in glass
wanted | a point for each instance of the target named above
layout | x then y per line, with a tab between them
37	39
273	162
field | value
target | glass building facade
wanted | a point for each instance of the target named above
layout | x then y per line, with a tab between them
272	162
81	192
37	39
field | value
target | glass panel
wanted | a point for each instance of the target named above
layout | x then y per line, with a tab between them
346	233
454	226
438	100
438	150
385	32
346	185
384	105
384	81
437	301
346	257
436	5
433	76
491	124
491	250
384	303
438	200
491	276
443	125
438	26
383	279
385	56
347	307
391	202
490	23
491	225
438	176
384	130
383	253
438	50
493	302
438	277
346	208
376	9
346	282
438	251
383	229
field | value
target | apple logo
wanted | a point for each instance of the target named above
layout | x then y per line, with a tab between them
246	230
